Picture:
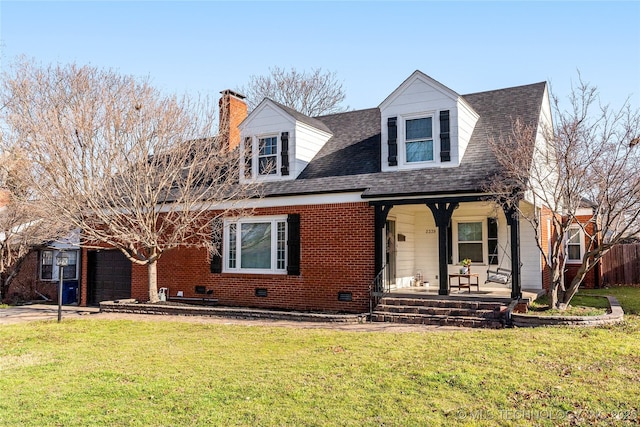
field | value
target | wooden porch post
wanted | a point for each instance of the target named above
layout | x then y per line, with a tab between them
513	220
442	213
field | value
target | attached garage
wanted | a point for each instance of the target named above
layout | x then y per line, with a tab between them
108	276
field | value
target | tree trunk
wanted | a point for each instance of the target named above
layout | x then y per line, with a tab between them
557	277
152	273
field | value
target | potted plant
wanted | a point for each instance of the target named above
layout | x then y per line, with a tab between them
466	266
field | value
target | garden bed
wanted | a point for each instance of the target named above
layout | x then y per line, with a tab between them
614	314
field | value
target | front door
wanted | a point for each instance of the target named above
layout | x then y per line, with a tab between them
390	250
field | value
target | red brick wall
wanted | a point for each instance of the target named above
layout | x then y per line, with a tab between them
570	269
337	255
589	280
545	215
24	286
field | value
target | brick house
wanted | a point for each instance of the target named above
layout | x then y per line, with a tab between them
577	242
397	188
39	276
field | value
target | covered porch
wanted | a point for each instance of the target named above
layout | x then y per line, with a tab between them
488	292
421	243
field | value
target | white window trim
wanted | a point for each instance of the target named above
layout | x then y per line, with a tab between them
55	270
402	135
255	163
485	240
273	220
580	231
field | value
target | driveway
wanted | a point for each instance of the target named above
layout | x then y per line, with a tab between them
28	313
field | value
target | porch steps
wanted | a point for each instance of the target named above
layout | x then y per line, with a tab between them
440	311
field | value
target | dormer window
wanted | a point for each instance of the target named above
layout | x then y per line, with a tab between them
419	140
268	155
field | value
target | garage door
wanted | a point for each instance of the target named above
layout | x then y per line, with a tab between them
108	276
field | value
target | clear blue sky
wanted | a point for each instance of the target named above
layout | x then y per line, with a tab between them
208	46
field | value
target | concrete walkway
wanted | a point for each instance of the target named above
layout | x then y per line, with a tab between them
33	312
39	312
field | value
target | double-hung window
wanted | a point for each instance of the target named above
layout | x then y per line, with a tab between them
419	139
268	155
575	244
470	241
49	270
46	265
256	245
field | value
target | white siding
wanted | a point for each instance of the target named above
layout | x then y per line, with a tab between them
267	118
421	95
426	247
304	140
530	256
405	270
466	120
306	144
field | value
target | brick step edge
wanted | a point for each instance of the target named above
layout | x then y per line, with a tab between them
234	312
475	305
440	320
444	311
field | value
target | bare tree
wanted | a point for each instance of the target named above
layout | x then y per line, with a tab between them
24	222
311	93
132	168
589	159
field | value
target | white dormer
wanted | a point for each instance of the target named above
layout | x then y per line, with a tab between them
424	124
278	142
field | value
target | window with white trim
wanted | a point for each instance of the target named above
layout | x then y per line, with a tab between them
419	139
575	244
268	155
46	265
470	241
256	245
50	271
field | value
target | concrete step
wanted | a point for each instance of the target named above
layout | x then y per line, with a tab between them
439	320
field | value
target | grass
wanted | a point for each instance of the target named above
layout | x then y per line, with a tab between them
581	305
628	297
135	373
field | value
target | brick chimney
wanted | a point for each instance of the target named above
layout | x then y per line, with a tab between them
233	110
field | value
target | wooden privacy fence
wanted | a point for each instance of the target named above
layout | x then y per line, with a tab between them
621	265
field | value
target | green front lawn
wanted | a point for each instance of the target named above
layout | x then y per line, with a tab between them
628	297
135	373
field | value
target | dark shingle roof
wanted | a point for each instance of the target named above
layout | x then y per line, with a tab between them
350	160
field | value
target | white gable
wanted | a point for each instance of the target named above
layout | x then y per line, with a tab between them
268	119
418	97
419	88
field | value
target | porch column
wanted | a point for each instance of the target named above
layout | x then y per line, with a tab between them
442	213
381	213
513	220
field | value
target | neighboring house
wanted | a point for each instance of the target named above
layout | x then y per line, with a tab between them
397	187
39	276
577	242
